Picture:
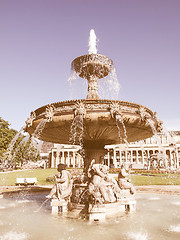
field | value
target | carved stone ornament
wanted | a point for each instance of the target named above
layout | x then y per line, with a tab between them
159	122
80	109
115	109
50	110
30	120
143	113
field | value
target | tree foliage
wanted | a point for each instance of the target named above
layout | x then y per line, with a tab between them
21	150
6	135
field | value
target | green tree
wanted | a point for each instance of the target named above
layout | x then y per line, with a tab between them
20	151
24	152
6	135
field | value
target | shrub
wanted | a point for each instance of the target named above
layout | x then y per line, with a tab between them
50	179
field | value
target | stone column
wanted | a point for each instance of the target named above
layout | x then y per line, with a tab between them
57	158
114	158
143	158
177	157
108	160
63	160
131	156
68	160
52	160
74	160
126	156
137	160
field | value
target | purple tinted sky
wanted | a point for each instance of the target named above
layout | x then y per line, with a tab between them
40	38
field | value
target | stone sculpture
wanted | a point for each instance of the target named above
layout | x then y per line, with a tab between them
123	180
63	187
101	186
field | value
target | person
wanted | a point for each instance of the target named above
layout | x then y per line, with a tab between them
63	187
123	180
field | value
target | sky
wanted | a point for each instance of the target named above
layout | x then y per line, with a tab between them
40	38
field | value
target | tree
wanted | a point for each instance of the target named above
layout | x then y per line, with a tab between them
21	149
24	152
6	135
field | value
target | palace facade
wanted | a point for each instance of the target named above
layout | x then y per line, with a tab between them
67	154
138	154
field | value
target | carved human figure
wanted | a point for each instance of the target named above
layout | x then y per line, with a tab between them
63	187
123	180
101	186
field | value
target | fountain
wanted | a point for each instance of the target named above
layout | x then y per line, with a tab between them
100	118
94	123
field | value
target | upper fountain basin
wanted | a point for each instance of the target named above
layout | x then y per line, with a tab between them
100	119
95	65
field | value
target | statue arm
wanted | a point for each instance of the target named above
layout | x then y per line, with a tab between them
98	171
62	179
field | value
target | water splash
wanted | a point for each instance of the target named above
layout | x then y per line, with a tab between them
176	203
137	236
175	228
92	42
14	236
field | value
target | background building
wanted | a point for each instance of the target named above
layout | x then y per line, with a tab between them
161	151
67	154
162	148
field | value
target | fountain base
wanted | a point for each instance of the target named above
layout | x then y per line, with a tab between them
94	213
59	206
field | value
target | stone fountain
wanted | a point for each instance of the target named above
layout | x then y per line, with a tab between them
93	122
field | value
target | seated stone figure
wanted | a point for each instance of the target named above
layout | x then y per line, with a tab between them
123	180
63	187
101	186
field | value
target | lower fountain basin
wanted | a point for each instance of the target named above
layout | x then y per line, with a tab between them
149	221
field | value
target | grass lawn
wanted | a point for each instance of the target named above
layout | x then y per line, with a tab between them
169	179
9	178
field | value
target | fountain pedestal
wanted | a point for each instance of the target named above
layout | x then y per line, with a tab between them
103	212
59	206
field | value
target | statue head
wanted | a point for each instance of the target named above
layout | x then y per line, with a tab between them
61	167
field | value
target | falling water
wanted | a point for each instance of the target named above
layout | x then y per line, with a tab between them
109	87
168	135
120	120
36	144
13	141
158	140
21	144
76	132
8	155
40	127
42	205
76	83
